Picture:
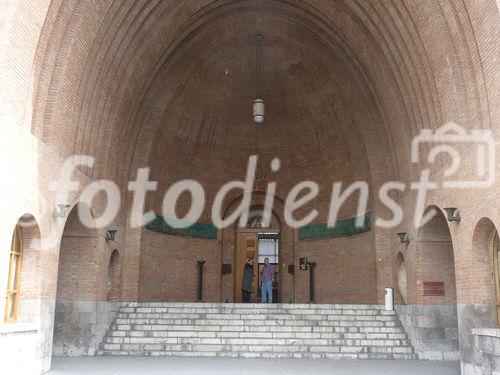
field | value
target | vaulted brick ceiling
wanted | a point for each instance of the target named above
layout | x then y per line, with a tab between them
140	82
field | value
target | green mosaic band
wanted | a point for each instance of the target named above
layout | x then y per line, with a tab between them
343	228
197	230
206	231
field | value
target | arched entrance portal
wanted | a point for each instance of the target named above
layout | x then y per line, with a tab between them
257	241
284	260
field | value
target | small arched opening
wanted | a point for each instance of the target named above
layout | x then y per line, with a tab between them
401	278
114	277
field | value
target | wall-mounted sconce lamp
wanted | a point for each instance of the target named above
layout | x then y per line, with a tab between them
61	211
404	237
110	234
452	214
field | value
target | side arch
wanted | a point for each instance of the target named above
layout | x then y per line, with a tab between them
401	294
430	317
114	277
435	262
80	286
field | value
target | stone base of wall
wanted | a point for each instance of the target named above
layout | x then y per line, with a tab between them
81	325
486	349
432	329
471	319
19	348
25	346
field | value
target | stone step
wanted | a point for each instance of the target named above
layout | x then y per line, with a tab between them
253	322
256	329
283	332
235	316
254	311
218	305
276	334
256	307
255	348
259	322
264	355
254	341
302	326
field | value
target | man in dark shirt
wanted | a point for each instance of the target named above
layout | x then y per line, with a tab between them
247	281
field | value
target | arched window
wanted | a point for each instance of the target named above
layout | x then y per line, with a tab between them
496	262
401	277
114	277
16	254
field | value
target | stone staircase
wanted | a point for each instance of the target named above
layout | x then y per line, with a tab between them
257	331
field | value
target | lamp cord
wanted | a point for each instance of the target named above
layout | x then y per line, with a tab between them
258	68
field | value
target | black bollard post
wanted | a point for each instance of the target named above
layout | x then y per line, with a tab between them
312	267
200	263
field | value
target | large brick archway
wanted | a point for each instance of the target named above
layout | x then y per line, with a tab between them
169	85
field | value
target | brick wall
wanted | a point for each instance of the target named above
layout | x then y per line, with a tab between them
345	271
169	269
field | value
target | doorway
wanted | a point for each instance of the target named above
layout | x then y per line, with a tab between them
257	244
268	247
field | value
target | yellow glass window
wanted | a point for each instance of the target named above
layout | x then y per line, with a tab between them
16	254
496	263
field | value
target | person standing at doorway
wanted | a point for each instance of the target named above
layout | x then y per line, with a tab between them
267	282
247	281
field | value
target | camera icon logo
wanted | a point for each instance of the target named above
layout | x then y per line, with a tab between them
476	149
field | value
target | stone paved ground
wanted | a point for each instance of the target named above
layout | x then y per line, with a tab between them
226	366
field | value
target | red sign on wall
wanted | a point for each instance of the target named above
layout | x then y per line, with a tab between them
434	289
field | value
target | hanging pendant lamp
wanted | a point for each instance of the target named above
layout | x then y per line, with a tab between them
258	103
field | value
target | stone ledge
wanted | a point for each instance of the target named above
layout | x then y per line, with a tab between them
14	328
490	332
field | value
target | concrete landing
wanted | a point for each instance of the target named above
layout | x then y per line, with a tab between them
230	366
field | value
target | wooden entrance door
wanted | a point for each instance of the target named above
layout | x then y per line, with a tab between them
246	247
